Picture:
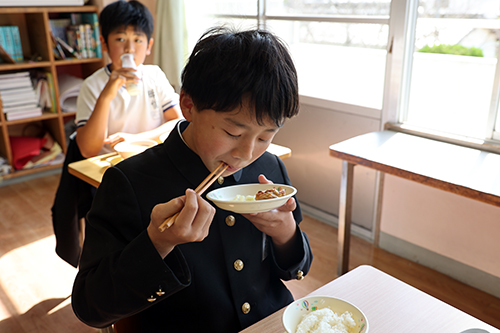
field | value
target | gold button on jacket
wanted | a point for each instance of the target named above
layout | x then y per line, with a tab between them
230	220
220	180
238	265
245	308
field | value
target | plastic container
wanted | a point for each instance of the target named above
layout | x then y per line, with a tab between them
133	88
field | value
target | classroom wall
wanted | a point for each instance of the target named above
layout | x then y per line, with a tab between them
316	174
449	233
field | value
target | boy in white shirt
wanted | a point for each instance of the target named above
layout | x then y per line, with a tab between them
106	112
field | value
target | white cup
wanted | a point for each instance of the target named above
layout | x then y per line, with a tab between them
133	88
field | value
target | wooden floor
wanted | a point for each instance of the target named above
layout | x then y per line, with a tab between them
35	285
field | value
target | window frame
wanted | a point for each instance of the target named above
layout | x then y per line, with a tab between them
400	47
262	18
404	35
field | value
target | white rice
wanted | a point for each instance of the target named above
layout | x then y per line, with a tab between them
327	321
240	197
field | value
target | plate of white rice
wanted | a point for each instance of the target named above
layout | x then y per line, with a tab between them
323	314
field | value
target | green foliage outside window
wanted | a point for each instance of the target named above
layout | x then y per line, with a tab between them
453	49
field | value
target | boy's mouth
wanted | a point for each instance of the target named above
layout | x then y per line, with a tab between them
232	169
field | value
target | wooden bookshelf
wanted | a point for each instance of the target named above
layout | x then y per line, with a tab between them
34	29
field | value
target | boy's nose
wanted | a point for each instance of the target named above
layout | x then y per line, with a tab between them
129	47
244	151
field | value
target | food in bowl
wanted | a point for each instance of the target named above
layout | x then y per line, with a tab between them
271	193
240	197
131	148
327	321
234	198
296	312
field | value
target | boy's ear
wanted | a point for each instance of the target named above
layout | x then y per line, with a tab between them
150	46
104	46
187	106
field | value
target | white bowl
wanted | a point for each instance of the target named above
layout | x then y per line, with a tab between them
224	198
131	148
295	311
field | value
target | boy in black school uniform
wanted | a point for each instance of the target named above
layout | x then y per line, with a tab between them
212	270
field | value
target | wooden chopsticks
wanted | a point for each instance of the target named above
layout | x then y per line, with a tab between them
200	189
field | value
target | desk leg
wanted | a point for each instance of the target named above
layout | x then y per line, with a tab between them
344	231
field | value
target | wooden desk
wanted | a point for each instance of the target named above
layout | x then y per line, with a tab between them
92	169
465	171
390	305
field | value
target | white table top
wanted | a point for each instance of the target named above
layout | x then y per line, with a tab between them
390	305
465	171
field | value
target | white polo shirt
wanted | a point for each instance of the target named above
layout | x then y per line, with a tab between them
129	114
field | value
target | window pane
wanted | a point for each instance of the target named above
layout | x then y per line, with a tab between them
200	16
450	92
343	62
223	7
328	7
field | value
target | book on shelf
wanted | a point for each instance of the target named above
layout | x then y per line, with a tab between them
59	53
18	48
44	90
14	75
15	81
13	103
28	3
58	27
18	97
6	52
78	32
16	91
5	56
19	108
89	41
93	20
83	34
43	94
68	49
10	40
21	95
8	43
27	113
50	81
76	39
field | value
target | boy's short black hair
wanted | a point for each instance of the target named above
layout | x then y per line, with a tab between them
123	13
227	66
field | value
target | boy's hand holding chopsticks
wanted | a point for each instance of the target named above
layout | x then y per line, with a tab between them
200	189
194	218
193	214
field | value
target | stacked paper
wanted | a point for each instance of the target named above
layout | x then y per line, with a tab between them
18	97
69	87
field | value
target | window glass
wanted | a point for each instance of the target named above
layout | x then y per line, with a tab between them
201	16
328	7
453	66
343	62
223	7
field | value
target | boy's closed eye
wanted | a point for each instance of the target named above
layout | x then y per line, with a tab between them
232	135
